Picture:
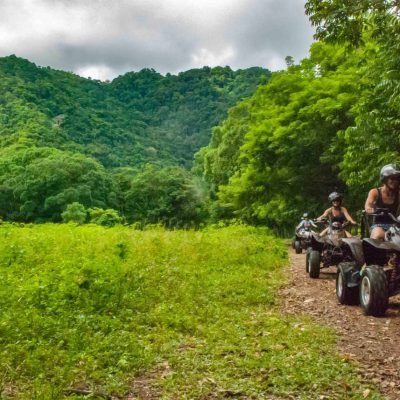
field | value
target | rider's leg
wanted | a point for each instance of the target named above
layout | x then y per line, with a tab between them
323	233
348	234
377	233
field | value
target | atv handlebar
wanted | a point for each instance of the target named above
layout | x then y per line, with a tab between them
328	221
381	212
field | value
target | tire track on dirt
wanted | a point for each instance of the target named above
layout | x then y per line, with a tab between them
372	343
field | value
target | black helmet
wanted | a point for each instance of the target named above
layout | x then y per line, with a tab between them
389	170
335	196
305	215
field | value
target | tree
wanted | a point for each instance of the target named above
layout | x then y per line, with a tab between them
38	183
279	153
289	60
373	140
165	195
346	21
108	217
75	212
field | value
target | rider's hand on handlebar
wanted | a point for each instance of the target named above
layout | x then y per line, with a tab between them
381	211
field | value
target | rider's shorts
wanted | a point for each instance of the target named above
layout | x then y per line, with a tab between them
385	227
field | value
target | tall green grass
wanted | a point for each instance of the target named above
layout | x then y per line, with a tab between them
192	313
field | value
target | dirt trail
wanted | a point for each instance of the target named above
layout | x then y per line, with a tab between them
374	343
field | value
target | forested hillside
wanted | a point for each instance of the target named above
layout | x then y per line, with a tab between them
329	123
65	139
137	118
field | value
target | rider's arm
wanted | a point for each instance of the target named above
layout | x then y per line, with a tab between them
348	216
313	223
299	225
370	202
324	215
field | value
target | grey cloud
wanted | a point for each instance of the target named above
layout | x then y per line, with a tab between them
124	54
271	28
133	34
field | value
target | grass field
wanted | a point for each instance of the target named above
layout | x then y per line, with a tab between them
184	314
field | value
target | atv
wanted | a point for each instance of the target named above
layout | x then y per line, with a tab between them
374	271
327	250
302	240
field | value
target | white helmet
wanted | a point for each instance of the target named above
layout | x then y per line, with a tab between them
389	170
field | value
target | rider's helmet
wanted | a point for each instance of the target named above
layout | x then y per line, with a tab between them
305	215
335	196
389	170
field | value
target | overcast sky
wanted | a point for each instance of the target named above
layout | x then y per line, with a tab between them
106	38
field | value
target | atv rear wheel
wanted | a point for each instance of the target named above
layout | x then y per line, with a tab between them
346	295
313	264
297	247
374	296
308	260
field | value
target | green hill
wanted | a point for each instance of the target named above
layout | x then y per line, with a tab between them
137	118
65	139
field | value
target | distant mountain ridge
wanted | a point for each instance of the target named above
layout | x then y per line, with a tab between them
139	117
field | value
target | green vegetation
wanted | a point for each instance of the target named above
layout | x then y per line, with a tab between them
137	118
192	313
167	195
38	183
75	212
278	152
65	139
329	123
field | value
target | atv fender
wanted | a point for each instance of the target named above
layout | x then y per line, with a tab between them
356	247
317	243
375	251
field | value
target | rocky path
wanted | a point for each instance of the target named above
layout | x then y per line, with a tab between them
373	343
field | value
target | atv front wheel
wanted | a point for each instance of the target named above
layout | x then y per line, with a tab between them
313	264
297	247
346	295
308	260
374	296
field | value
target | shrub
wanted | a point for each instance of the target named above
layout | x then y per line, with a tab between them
108	217
75	212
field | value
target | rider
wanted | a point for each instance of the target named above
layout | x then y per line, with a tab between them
386	196
305	223
336	213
